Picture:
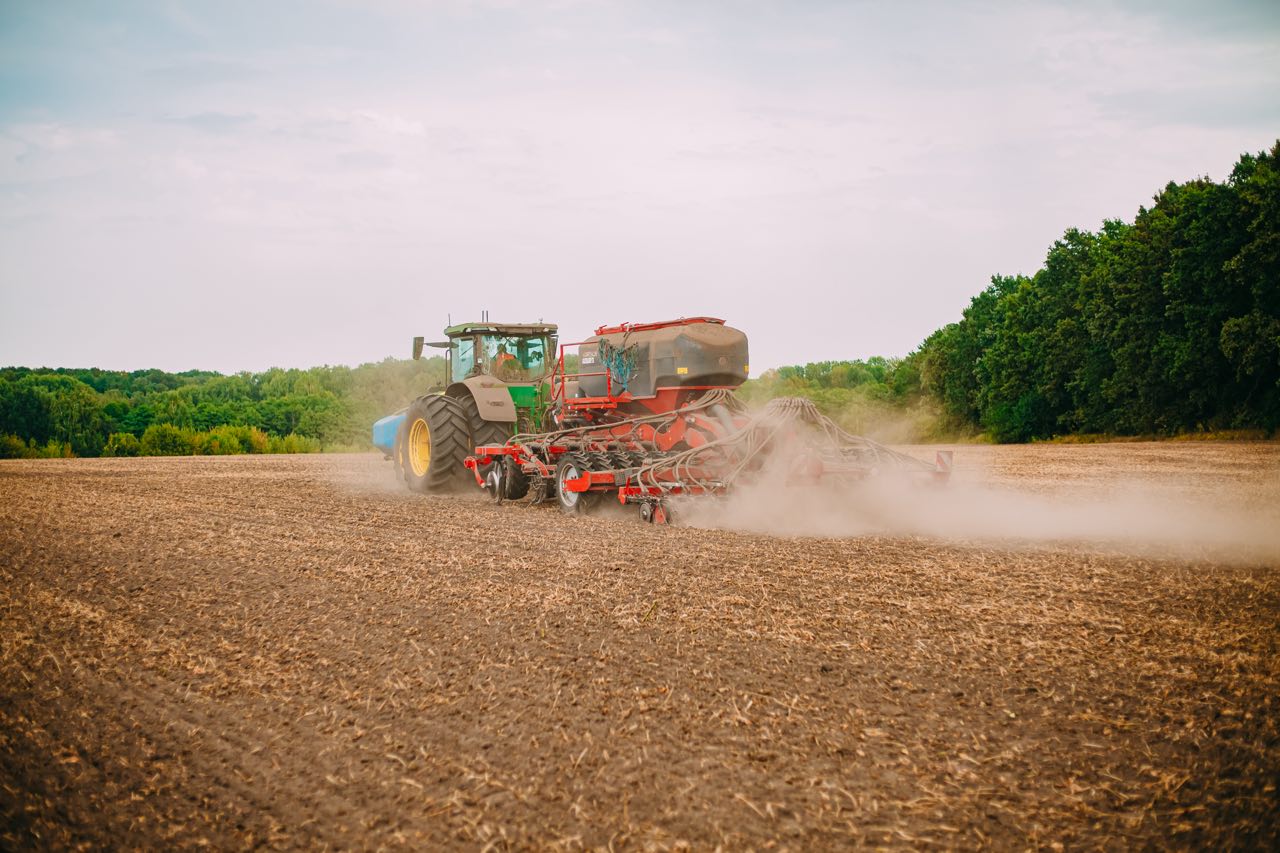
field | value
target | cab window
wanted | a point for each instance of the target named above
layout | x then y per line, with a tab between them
464	358
514	358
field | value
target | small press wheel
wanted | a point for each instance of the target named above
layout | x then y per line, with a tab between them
572	467
495	483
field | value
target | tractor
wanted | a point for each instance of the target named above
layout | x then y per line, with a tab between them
647	416
497	382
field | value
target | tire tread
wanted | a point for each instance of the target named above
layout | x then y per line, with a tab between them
450	443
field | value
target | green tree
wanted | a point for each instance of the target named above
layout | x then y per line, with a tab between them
221	441
164	439
1250	340
175	408
122	444
1169	324
24	409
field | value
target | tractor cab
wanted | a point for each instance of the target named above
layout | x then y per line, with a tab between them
499	373
512	353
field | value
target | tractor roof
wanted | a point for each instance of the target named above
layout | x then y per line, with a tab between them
500	329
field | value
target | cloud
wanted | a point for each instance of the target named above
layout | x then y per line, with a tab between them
362	160
1191	107
215	122
204	72
395	125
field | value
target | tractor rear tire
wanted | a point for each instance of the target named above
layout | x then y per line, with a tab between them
437	439
483	432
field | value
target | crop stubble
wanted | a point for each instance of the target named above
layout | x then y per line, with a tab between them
280	651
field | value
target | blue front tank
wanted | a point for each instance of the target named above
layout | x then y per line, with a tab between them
384	432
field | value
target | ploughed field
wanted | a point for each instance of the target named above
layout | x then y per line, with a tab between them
291	651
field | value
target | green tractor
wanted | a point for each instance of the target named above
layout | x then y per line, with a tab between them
498	383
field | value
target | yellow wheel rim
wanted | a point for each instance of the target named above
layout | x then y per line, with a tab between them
419	447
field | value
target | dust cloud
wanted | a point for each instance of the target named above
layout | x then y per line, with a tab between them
1228	522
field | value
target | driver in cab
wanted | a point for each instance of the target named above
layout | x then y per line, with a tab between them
505	365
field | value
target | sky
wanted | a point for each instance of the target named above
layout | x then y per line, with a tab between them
239	185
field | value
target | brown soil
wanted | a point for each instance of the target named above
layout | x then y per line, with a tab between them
289	651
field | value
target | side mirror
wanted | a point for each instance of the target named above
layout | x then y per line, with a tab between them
417	347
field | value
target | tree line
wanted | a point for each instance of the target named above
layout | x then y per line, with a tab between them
878	397
89	412
1166	325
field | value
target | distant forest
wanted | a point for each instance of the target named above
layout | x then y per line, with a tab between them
1164	326
1167	325
95	412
